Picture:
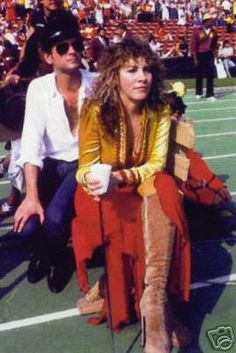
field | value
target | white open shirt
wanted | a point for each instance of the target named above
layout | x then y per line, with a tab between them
46	130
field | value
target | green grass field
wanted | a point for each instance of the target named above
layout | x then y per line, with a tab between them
33	320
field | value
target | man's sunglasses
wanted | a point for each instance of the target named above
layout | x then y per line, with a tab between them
62	48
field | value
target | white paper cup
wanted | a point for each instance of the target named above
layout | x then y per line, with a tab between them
102	173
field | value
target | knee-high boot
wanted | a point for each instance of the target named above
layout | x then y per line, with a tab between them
159	236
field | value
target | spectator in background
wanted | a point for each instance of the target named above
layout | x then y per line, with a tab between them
227	5
203	49
164	11
10	7
197	18
173	11
161	32
82	13
98	44
86	61
234	9
226	53
47	12
155	44
157	11
10	55
121	33
182	20
145	13
99	15
125	9
182	47
229	20
11	35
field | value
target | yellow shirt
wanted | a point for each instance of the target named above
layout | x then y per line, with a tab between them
97	146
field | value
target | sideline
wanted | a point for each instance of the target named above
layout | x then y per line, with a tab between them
202	101
5	182
40	319
220	156
211	109
212	120
217	134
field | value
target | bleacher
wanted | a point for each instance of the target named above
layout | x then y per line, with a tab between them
144	29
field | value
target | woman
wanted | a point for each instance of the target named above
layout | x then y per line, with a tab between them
30	66
126	125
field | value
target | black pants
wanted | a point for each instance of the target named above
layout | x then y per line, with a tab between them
205	69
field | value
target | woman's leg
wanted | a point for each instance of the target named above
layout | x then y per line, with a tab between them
159	237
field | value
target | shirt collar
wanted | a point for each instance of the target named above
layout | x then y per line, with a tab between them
56	93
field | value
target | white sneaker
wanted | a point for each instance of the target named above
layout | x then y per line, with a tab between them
198	96
211	99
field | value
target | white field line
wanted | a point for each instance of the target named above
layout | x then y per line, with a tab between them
5	228
214	120
207	102
4	182
219	156
40	319
193	97
218	280
210	109
217	134
232	193
2	156
59	315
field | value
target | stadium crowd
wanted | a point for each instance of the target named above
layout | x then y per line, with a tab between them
166	24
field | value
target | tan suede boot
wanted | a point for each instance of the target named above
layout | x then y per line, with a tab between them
159	236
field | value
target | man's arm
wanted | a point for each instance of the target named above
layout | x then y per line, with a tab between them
193	46
31	205
30	156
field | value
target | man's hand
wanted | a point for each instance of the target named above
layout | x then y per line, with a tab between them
27	209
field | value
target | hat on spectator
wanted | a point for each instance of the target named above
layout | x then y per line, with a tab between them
58	30
207	16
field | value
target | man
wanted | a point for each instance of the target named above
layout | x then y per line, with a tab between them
203	48
47	12
226	53
98	44
49	153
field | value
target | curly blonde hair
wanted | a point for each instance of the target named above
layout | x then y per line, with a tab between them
106	91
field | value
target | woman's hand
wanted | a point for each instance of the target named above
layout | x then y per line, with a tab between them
94	185
116	179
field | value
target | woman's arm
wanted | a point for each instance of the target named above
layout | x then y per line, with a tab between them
89	141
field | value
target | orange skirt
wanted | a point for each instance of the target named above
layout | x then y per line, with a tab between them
121	235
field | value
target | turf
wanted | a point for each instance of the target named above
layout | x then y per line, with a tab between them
213	255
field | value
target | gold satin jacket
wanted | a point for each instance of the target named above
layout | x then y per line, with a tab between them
97	146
